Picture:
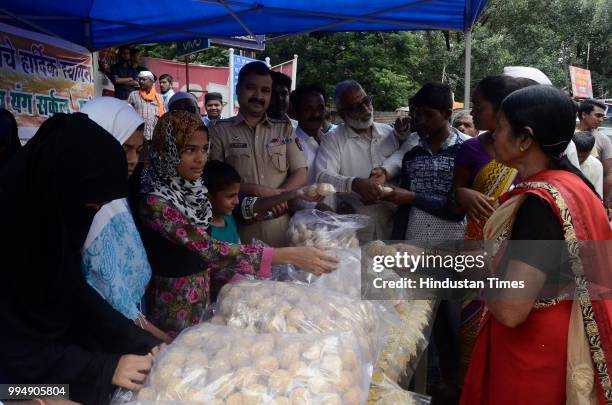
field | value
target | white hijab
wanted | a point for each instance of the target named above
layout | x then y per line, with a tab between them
116	116
120	120
114	261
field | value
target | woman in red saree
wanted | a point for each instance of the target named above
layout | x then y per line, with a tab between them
536	350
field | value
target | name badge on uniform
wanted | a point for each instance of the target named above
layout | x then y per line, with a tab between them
238	145
278	142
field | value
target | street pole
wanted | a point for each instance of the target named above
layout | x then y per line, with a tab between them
294	72
232	85
187	71
588	54
468	68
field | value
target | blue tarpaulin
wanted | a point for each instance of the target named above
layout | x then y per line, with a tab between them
97	24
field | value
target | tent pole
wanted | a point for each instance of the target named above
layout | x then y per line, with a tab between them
232	85
294	72
468	68
187	71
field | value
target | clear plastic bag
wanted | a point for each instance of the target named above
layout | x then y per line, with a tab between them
270	306
214	364
404	342
325	230
384	391
346	279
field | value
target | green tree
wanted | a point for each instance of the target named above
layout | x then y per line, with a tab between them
213	56
549	35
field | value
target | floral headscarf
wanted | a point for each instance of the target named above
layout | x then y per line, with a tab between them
171	134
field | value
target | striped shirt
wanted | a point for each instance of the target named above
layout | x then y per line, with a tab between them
148	110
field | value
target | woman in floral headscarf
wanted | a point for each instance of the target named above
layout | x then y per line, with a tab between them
176	214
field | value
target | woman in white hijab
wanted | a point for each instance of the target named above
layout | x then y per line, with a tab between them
114	260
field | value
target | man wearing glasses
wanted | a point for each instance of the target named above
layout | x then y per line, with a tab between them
346	158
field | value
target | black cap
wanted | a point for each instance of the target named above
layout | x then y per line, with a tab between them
212	96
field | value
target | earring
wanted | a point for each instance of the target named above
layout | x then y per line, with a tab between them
522	149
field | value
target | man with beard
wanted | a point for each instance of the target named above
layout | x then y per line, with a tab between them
165	85
263	151
346	158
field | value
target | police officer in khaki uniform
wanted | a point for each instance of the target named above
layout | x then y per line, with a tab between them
263	150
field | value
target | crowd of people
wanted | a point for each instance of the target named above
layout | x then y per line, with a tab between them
122	222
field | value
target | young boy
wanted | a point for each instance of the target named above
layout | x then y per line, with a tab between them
223	184
591	167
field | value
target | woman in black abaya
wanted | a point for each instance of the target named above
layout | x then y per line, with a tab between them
9	138
55	328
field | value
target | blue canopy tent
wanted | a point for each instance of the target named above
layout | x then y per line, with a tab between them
97	24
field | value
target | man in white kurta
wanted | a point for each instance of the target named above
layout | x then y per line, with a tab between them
347	156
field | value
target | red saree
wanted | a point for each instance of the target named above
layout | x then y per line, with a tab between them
545	360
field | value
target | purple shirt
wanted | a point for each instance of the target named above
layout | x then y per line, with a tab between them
473	156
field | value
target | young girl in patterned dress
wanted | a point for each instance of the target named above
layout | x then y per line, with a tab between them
176	214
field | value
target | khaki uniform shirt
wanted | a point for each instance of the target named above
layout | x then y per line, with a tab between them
264	155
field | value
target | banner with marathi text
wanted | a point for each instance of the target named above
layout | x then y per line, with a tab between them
581	82
41	75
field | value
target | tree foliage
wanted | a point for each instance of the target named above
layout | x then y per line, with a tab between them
547	34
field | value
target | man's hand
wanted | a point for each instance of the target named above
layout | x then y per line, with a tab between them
302	195
379	175
280	209
399	196
368	189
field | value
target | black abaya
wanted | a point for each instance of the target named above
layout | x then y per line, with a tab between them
9	136
55	327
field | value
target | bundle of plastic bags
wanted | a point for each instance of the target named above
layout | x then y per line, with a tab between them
325	230
406	342
216	365
270	306
384	391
